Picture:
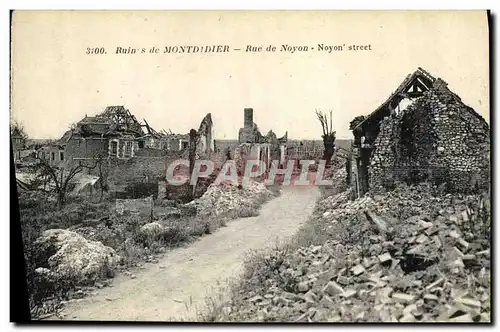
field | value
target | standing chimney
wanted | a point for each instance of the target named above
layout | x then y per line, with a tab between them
248	120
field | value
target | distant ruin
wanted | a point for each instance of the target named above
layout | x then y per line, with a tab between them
253	145
133	156
423	132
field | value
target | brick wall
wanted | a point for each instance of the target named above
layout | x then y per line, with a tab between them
133	174
86	147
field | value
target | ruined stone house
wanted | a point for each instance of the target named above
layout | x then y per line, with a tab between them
422	132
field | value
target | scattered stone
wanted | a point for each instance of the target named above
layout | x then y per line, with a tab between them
358	269
343	280
310	297
303	286
469	258
435	284
464	244
348	293
437	241
395	263
469	302
384	258
316	249
485	318
421	239
467	318
332	288
408	318
431	231
424	224
485	253
404	298
278	300
255	299
431	297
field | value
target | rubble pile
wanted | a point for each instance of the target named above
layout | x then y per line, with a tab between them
405	256
72	258
226	197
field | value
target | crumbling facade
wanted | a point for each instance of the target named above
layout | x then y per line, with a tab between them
205	137
53	153
434	138
175	142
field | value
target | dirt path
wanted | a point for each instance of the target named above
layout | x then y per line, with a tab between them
177	286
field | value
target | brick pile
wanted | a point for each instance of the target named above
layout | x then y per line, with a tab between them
410	255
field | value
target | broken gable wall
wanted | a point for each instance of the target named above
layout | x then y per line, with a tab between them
437	139
463	141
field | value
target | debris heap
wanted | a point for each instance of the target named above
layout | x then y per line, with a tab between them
406	256
70	258
226	197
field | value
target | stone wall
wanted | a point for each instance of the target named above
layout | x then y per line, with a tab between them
92	147
142	206
136	177
381	170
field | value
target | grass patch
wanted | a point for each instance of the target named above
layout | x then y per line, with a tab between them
97	222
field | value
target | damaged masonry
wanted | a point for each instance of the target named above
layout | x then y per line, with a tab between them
422	132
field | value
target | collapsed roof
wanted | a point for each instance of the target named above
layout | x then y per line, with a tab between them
413	86
114	120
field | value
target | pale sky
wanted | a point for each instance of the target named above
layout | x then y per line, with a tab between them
54	83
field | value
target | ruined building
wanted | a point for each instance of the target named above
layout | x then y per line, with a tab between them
254	145
205	137
175	142
422	132
114	133
18	143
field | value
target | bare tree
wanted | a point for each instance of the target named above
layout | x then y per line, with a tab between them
18	128
102	185
328	134
61	176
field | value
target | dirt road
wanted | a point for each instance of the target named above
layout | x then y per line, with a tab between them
177	286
